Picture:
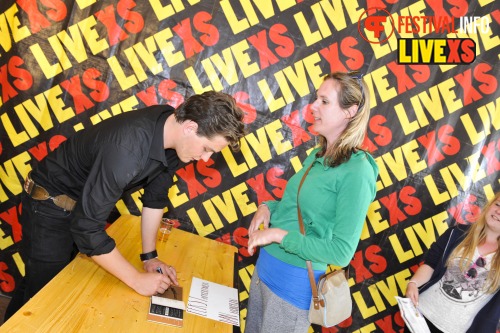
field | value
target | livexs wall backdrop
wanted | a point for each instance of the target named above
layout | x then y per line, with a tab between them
434	128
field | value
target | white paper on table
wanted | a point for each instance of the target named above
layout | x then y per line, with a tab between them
414	320
214	301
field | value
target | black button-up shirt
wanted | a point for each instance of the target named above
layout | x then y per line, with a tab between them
95	166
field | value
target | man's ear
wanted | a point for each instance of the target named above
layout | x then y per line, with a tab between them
189	127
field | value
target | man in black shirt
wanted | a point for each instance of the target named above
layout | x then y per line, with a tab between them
70	194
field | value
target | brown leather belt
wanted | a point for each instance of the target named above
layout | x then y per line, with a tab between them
39	193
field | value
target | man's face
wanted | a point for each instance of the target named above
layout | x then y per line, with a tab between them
194	147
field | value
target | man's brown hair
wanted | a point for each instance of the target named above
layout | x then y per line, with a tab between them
216	113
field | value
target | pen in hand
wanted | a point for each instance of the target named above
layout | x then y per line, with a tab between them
158	269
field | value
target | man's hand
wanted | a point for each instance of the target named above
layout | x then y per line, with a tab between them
156	265
145	283
148	284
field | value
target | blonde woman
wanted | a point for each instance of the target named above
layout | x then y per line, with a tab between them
334	200
461	274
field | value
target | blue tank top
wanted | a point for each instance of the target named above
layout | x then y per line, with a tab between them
291	283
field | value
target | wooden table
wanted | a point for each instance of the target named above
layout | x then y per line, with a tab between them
85	298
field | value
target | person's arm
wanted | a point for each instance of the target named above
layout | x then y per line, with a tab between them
146	284
261	216
267	235
102	189
421	276
337	242
104	185
437	254
264	237
150	222
433	259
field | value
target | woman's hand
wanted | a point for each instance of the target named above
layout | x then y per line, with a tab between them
264	237
261	216
421	277
412	292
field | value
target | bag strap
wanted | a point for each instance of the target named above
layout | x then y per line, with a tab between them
316	300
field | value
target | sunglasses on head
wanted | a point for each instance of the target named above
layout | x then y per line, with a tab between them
472	272
358	76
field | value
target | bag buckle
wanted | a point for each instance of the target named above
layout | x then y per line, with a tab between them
318	302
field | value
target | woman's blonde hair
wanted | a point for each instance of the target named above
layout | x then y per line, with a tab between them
475	236
352	91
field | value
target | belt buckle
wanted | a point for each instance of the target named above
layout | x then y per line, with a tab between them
64	202
39	193
35	191
28	184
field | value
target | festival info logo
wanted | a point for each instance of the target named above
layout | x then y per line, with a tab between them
377	26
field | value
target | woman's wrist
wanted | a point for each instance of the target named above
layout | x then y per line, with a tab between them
265	205
412	281
279	235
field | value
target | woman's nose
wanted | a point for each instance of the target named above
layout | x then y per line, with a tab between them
314	105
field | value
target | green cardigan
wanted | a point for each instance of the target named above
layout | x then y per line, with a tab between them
334	203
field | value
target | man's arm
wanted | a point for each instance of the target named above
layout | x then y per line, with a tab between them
150	221
146	284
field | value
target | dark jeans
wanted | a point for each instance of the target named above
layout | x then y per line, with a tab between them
46	247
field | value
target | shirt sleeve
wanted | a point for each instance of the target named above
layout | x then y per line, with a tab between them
437	249
156	192
103	188
271	204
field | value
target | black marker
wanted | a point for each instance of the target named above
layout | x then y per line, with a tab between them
158	269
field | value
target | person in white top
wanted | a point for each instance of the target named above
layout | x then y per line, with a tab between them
461	275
